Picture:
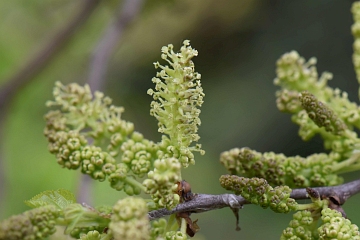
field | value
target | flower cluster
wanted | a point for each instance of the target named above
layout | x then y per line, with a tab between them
82	119
335	226
37	223
175	235
304	225
317	109
161	182
314	105
129	219
300	227
259	192
277	169
87	132
91	235
177	96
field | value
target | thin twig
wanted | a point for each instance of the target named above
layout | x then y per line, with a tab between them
206	202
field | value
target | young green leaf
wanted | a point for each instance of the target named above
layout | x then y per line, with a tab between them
60	198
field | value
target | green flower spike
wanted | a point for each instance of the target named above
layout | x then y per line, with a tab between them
129	219
37	223
177	96
322	115
259	192
335	226
277	169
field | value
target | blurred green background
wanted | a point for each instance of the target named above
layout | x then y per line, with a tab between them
238	44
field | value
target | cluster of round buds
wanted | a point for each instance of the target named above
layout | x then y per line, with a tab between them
277	169
158	228
300	227
86	233
92	116
138	154
175	235
259	192
318	105
230	160
177	96
72	151
91	235
130	220
288	101
162	182
295	74
37	223
66	146
83	117
335	226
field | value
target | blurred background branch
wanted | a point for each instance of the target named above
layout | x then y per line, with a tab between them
126	13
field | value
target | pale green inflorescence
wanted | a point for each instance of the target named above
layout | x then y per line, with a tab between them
175	235
302	91
91	235
277	169
259	192
37	223
317	109
87	131
85	125
177	96
305	223
335	226
130	220
161	182
300	227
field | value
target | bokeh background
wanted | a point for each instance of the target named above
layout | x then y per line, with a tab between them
238	43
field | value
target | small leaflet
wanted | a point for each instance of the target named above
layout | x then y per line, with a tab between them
60	198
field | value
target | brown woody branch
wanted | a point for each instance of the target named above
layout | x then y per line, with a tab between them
206	202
